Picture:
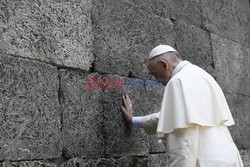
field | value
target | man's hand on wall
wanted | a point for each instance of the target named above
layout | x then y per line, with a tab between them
126	108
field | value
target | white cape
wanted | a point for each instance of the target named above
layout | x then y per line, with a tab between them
191	97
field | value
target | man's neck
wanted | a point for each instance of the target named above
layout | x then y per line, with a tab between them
173	66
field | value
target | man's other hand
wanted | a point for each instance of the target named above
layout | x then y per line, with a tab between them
126	108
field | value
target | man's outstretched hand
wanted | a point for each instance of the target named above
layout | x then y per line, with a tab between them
126	108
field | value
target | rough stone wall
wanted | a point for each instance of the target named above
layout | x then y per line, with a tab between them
48	117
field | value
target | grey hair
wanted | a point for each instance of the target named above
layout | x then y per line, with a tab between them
170	56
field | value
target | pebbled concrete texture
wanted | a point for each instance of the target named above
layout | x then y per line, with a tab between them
112	162
231	61
124	35
29	109
230	19
159	160
186	11
239	105
194	44
49	50
245	154
157	7
82	117
27	164
58	32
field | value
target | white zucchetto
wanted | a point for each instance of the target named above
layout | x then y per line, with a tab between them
160	49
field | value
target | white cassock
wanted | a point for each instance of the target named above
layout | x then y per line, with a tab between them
193	121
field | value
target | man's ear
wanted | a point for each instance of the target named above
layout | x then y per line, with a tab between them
164	63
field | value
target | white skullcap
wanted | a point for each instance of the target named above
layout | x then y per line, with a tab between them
158	50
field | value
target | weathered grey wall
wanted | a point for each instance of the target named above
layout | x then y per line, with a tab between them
48	117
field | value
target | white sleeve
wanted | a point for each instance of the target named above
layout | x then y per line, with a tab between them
150	123
137	122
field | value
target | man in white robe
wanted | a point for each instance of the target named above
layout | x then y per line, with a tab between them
194	114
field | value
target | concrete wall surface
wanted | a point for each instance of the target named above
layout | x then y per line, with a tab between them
50	50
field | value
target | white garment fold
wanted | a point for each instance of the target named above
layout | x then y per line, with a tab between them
192	97
200	146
